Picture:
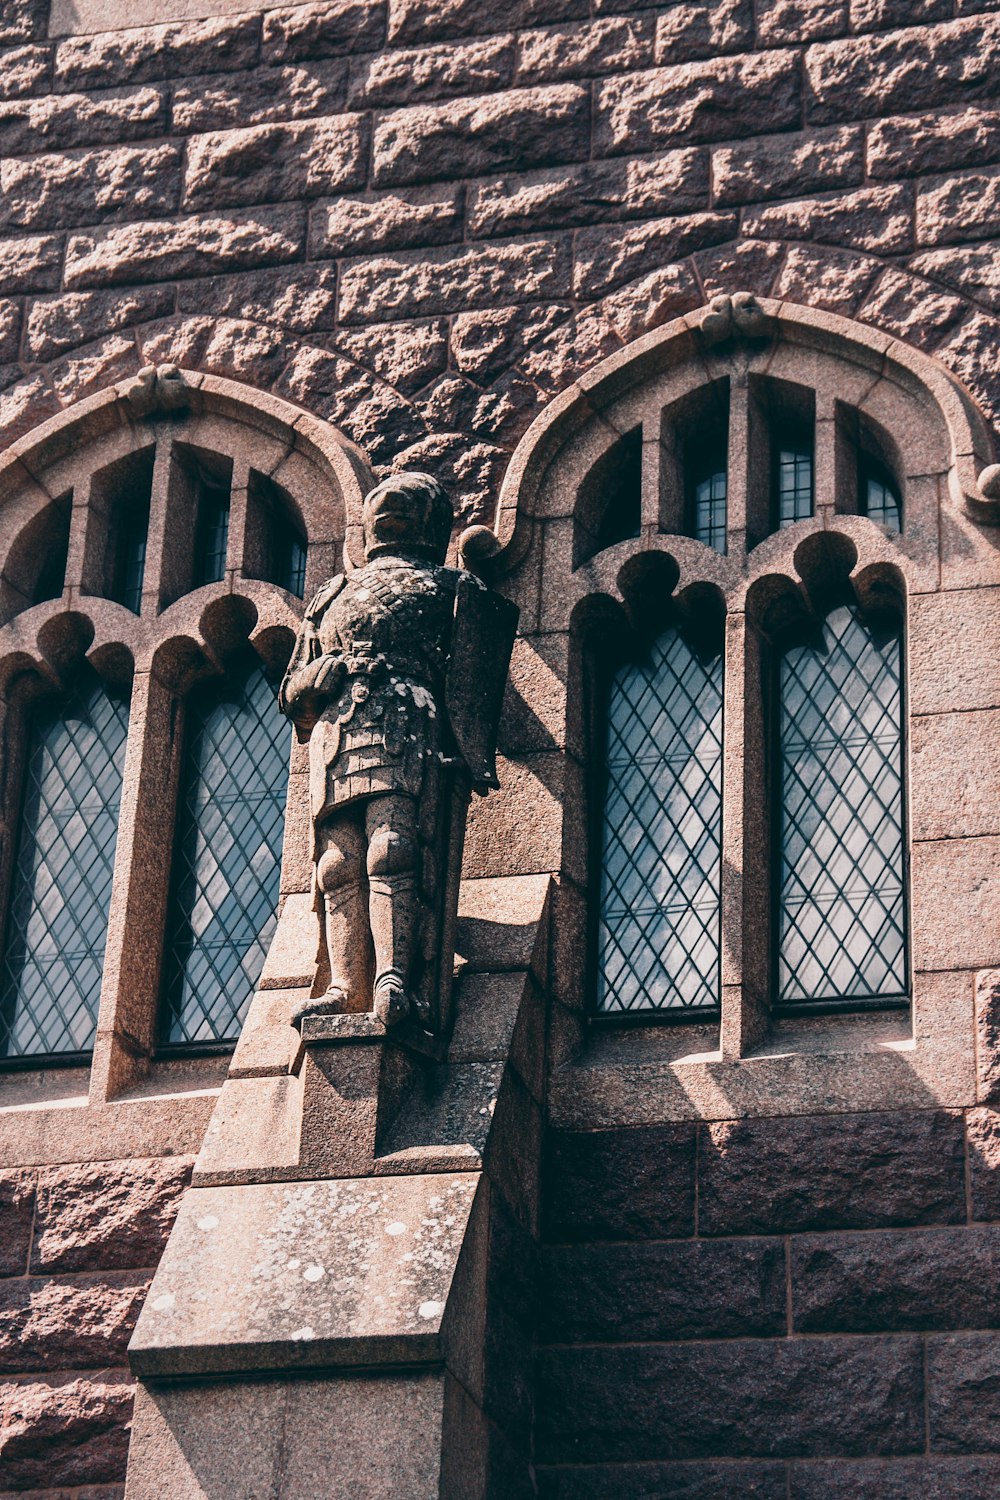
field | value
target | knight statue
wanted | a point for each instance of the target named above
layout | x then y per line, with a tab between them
396	682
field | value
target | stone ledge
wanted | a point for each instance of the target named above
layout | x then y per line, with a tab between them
300	1276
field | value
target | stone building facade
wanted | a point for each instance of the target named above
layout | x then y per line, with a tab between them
670	1216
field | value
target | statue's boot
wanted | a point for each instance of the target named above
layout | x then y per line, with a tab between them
350	970
394	913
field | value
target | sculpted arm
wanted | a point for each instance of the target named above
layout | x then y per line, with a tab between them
313	676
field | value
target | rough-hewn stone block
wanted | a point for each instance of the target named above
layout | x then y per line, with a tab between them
914	310
707	101
25	71
414	75
904	70
875	15
931	1478
895	1281
704	28
385	288
67	1323
304	299
368	410
913	145
694	1289
257	98
406	355
484	344
751	1397
416	21
197	246
106	1215
275	163
175	50
877	220
984	1162
987	1002
387	221
66	1431
777	166
57	324
963	1393
966	205
596	192
30	264
607	258
331	29
864	1171
22	20
64	120
48	192
620	1184
17	1211
523	128
780	22
615	45
825	279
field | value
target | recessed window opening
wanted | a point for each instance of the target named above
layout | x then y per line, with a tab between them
705	475
793	475
36	565
212	536
840	858
276	543
879	494
129	487
658	937
57	920
609	509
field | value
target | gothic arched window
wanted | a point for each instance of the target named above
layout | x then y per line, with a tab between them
658	934
60	887
227	858
841	858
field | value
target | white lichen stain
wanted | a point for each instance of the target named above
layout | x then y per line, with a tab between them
430	1309
303	1333
313	1273
395	1228
208	1222
164	1302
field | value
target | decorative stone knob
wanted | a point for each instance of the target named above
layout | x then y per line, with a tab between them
989	482
156	388
476	545
729	317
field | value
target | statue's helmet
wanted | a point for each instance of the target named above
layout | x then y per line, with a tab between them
407	513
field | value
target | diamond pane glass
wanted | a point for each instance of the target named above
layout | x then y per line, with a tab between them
227	861
842	919
61	887
658	936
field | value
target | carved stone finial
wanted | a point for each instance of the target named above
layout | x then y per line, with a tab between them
731	317
396	682
156	388
476	545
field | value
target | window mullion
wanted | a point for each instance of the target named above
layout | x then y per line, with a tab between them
157	536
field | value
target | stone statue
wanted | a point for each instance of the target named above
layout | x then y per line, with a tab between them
396	682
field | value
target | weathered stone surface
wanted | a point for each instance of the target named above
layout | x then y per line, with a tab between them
25	71
768	1397
877	220
865	1170
640	306
983	1127
620	1184
327	30
774	166
593	193
835	282
932	1478
484	344
413	76
682	1481
606	258
571	347
108	1215
614	45
962	871
414	21
366	408
303	299
405	355
275	163
386	288
701	29
743	265
22	20
688	1290
52	191
25	404
387	221
903	71
963	1393
987	993
17	1211
68	1323
972	270
895	1282
266	94
707	101
780	22
972	352
175	50
953	207
915	310
875	15
30	264
67	1431
523	128
96	366
914	145
158	249
65	120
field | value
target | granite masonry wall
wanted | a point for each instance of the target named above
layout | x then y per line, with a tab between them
421	219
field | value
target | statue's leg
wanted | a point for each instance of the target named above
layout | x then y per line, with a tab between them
340	875
394	900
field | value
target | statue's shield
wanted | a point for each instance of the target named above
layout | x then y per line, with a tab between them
482	641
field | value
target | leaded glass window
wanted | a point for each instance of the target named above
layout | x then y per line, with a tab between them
130	560
880	500
709	508
213	530
61	888
841	903
227	860
793	480
658	932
